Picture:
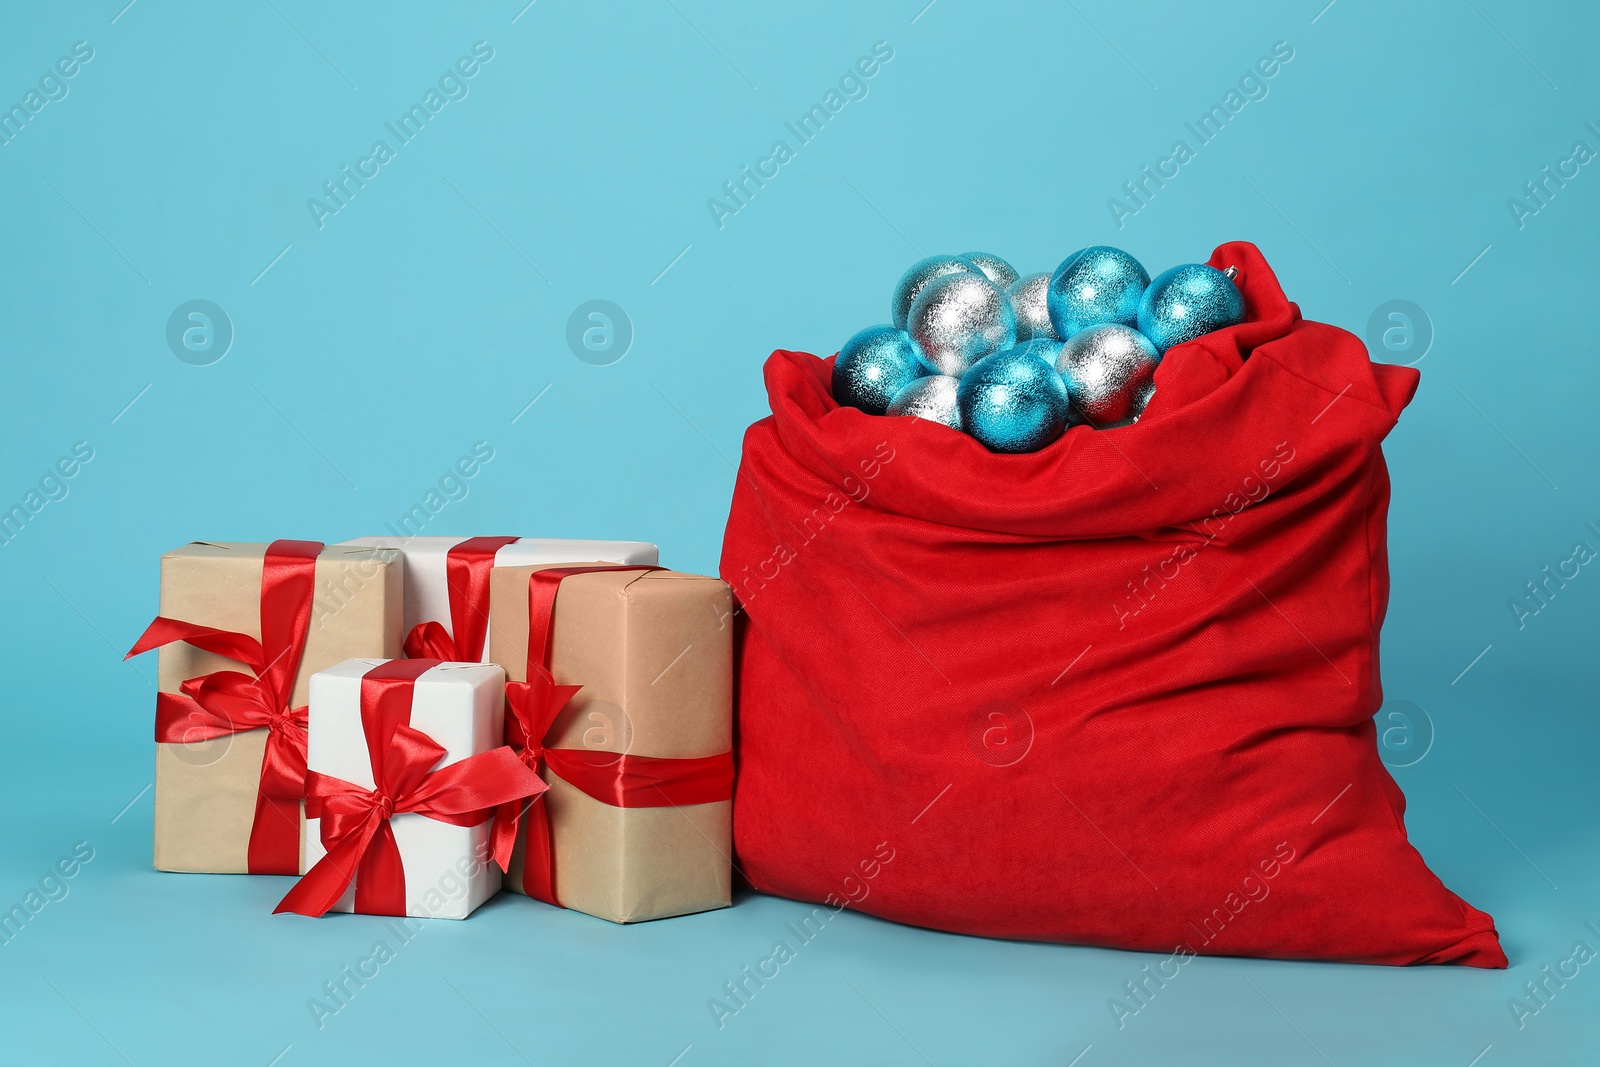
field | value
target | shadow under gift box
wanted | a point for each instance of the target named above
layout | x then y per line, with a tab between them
448	869
653	652
205	791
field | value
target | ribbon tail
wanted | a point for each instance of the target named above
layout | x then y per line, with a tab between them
320	888
230	644
274	836
503	834
381	879
538	855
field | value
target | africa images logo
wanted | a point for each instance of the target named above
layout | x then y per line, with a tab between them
852	85
452	86
52	88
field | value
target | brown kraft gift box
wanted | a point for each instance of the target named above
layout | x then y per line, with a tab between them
653	652
205	791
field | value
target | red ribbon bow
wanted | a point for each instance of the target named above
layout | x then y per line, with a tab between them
467	567
622	780
355	823
229	702
531	709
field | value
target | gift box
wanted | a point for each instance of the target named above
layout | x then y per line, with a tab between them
621	695
447	583
242	629
407	768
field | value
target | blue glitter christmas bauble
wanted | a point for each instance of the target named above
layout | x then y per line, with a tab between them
1030	299
1109	371
1188	301
960	318
1013	402
932	397
916	279
1095	285
873	366
994	268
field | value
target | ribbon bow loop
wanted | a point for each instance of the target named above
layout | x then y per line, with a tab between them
532	708
412	754
235	699
430	640
228	702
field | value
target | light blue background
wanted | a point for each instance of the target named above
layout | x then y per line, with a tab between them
427	314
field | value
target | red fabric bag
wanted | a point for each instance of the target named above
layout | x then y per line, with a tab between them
1117	692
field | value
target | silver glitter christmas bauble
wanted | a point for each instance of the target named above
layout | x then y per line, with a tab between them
1188	301
1013	402
960	318
1095	285
994	268
932	397
1046	348
873	366
1108	371
916	279
1030	299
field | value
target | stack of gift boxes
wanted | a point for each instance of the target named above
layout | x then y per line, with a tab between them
411	725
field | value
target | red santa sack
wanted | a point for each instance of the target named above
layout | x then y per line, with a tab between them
1116	692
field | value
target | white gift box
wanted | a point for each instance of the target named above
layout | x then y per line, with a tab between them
427	586
448	869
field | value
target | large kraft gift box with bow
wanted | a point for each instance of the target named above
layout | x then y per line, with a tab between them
242	629
621	695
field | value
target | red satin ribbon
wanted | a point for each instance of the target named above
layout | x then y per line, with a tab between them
355	823
229	702
630	781
622	780
467	568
